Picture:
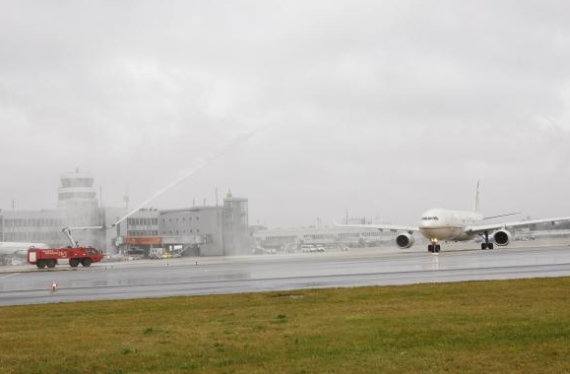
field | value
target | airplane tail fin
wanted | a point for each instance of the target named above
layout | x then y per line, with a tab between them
476	207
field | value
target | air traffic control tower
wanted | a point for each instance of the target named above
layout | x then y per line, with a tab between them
77	191
236	225
77	197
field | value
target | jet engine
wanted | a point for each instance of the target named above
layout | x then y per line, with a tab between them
502	237
404	240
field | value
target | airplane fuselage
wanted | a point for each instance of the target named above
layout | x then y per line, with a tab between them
447	225
18	248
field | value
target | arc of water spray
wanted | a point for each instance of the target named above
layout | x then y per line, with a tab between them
239	140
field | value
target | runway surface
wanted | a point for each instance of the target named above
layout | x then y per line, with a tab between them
200	276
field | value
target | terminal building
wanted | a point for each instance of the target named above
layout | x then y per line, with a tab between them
77	206
292	238
200	231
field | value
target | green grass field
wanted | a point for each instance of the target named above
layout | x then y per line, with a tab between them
519	326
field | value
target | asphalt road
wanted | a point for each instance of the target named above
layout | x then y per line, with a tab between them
199	276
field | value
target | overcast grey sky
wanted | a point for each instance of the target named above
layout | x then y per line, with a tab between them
384	108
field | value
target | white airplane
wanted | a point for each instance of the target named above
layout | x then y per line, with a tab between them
451	225
18	248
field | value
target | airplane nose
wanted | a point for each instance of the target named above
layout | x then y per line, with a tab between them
428	224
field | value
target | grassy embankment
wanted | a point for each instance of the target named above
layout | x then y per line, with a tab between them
520	326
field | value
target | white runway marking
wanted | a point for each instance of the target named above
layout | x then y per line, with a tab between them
9	276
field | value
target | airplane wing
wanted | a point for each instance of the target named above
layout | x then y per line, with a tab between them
495	226
394	228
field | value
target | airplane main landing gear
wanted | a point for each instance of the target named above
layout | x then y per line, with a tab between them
486	244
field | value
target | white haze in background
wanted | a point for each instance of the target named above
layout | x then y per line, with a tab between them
381	108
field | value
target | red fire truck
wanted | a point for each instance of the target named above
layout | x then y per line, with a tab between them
73	256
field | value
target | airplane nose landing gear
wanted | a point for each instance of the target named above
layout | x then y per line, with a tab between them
434	247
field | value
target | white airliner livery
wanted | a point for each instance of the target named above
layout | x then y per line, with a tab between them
439	225
18	248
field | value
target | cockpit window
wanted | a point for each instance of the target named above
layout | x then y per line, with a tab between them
430	218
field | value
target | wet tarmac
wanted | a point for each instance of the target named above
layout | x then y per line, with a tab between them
201	276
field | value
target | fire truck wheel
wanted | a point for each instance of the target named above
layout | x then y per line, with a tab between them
86	262
51	263
41	264
74	262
